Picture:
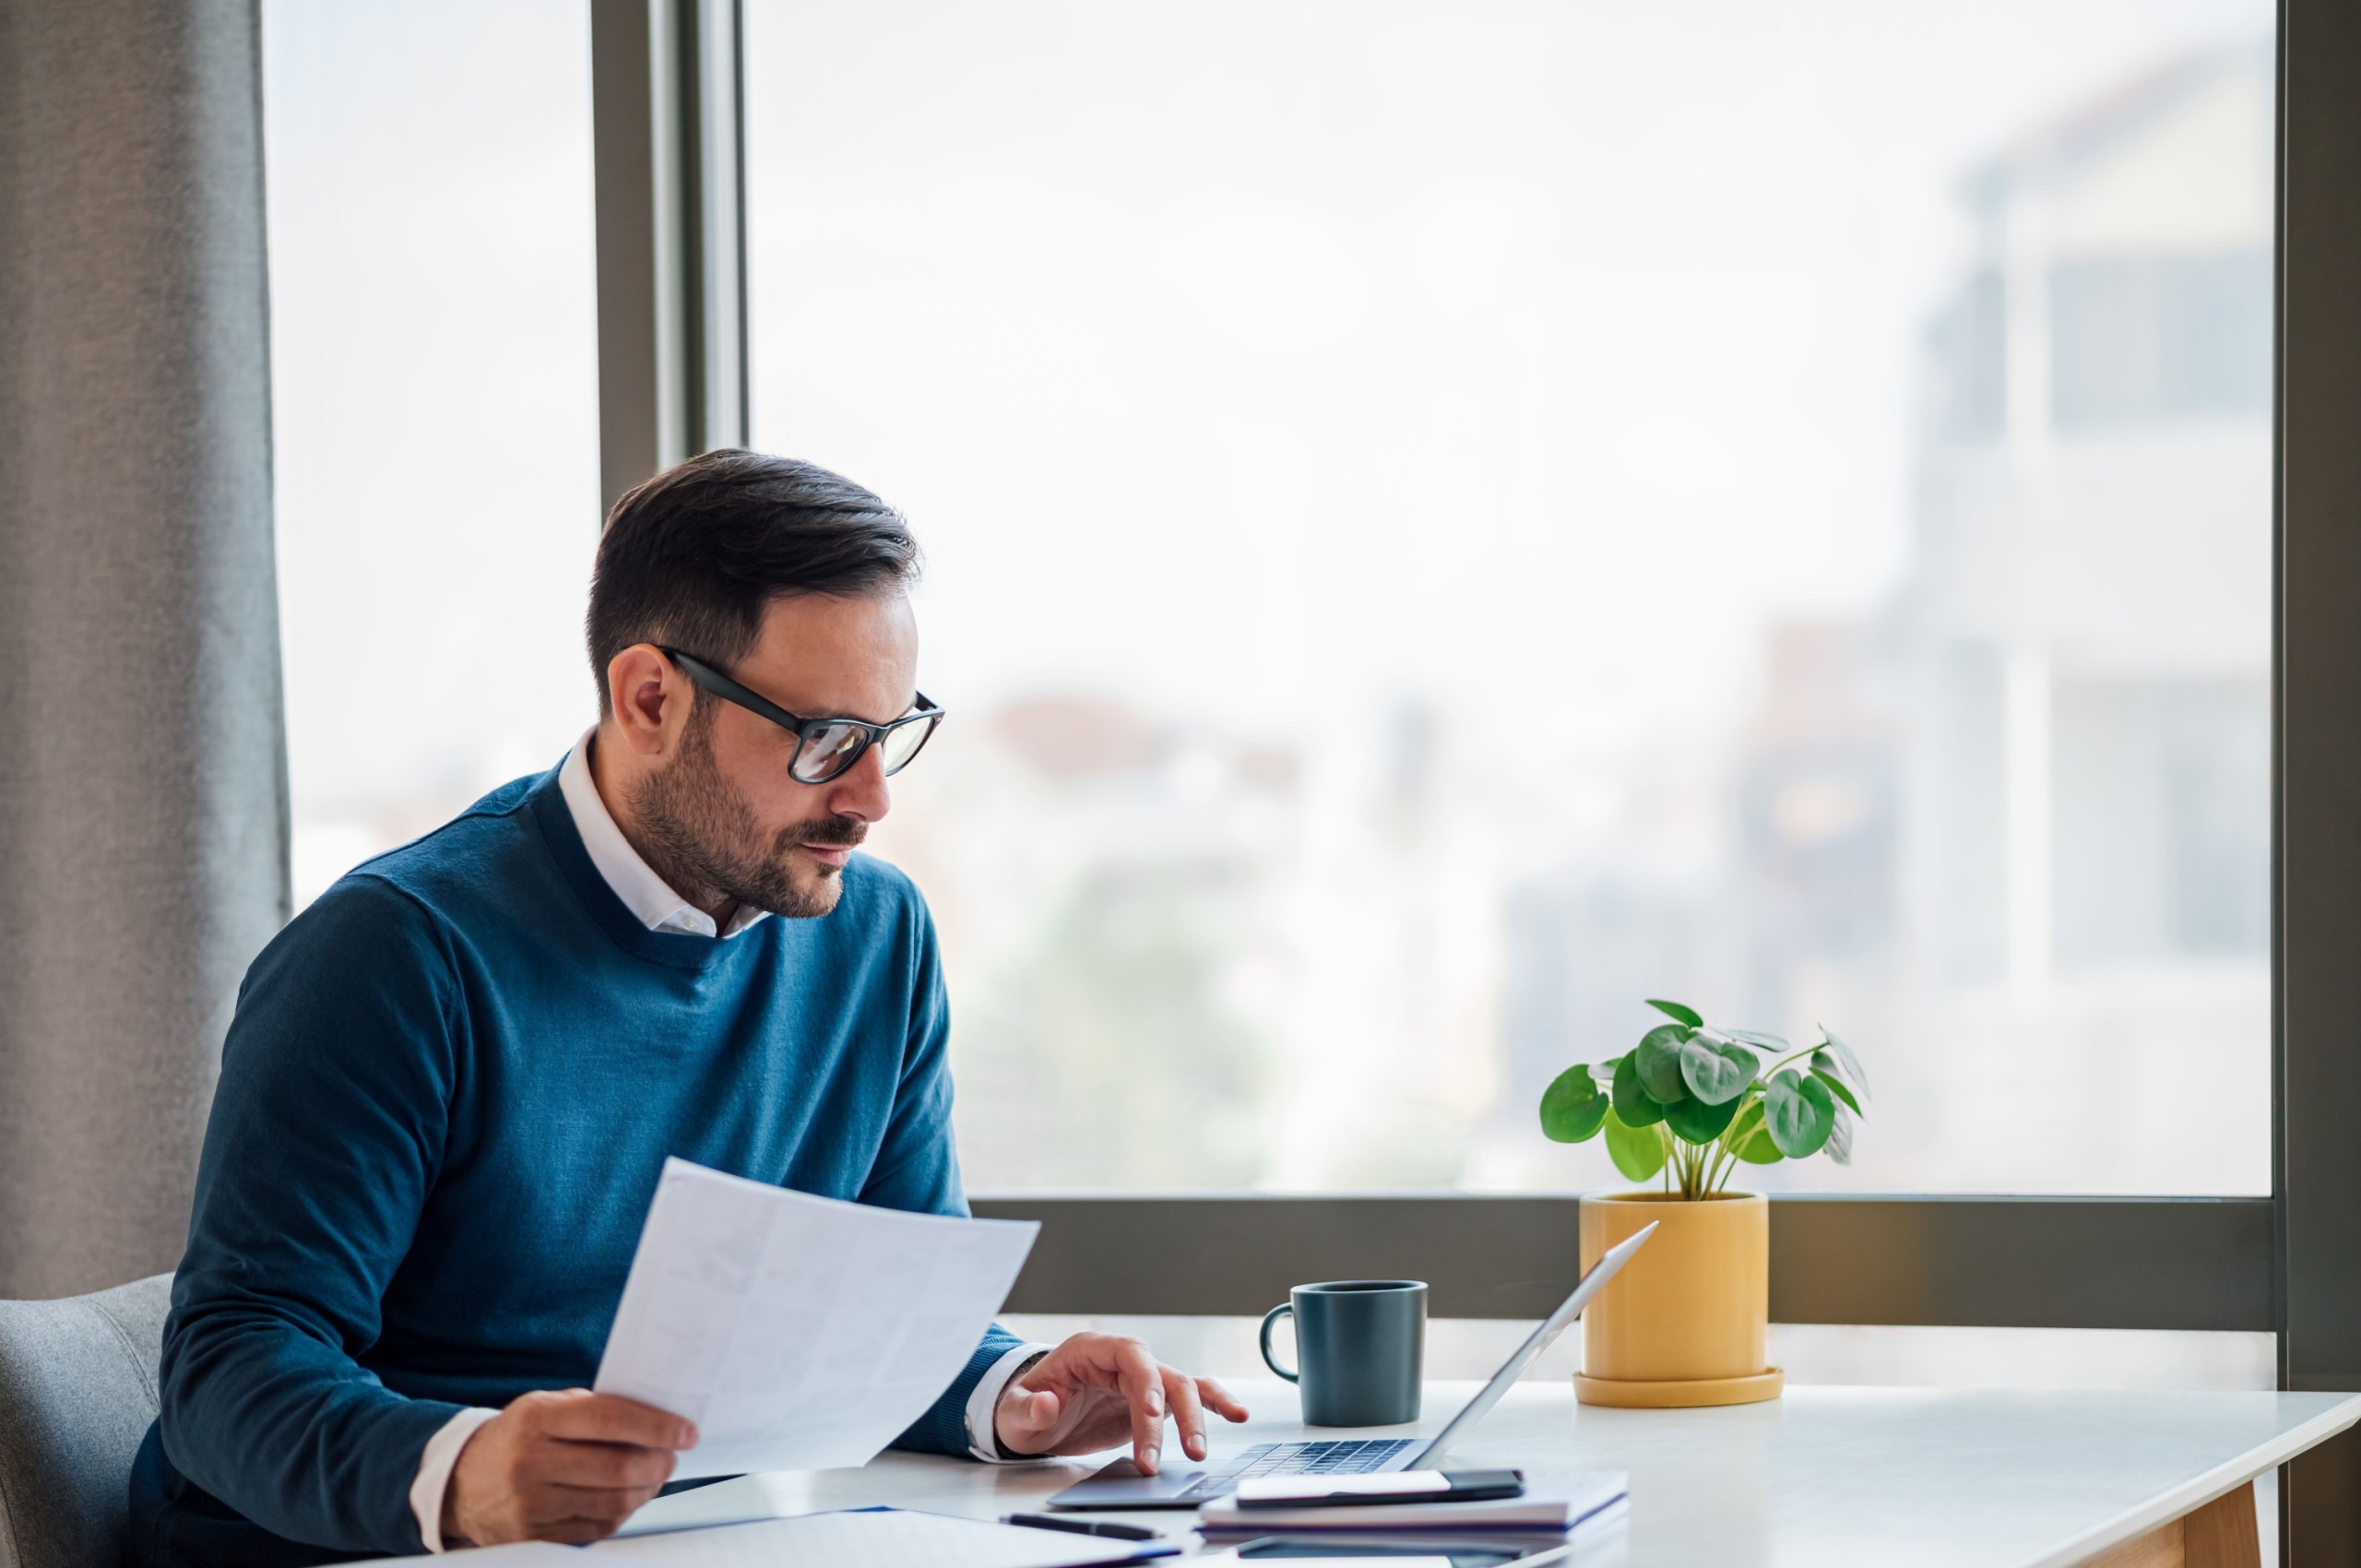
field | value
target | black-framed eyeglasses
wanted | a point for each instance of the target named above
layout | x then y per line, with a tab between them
826	747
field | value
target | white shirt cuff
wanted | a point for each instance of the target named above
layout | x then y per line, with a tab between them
434	1467
983	1440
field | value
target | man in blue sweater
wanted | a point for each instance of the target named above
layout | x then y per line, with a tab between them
452	1081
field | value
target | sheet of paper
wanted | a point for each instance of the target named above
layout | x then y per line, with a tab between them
798	1333
885	1537
517	1554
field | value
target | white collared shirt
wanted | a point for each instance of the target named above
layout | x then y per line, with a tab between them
657	908
643	893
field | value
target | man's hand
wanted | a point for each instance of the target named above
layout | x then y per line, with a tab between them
1094	1389
565	1467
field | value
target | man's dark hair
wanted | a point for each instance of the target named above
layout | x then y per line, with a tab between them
692	558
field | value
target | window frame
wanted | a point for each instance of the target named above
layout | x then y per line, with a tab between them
667	94
667	134
2316	743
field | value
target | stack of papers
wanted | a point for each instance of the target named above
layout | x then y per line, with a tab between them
798	1333
1549	1503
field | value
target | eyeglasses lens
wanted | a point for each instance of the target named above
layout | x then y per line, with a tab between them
902	744
827	750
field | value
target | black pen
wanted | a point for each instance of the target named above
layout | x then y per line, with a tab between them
1082	1527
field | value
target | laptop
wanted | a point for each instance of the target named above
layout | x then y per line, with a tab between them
1121	1485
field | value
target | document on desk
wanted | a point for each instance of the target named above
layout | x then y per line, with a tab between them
879	1537
798	1333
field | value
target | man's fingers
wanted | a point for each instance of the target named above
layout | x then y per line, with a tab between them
1180	1392
1039	1410
1217	1398
566	1463
1026	1420
1086	1375
583	1417
608	1507
1142	1382
574	1530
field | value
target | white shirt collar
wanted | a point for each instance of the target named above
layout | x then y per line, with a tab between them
643	893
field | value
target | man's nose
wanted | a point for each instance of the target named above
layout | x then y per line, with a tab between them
861	791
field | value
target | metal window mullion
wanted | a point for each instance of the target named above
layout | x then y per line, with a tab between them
668	129
721	126
2316	873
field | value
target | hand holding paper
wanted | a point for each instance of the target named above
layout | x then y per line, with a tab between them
798	1333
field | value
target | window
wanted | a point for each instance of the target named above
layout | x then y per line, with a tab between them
434	362
1447	520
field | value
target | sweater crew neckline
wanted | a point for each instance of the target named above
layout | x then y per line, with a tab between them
678	949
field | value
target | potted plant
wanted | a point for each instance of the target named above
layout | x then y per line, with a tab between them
1687	1320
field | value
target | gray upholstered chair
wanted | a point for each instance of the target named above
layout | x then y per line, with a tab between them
77	1389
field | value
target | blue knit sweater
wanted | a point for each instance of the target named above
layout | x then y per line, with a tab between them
445	1100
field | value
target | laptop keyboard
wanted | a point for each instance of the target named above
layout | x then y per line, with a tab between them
1344	1457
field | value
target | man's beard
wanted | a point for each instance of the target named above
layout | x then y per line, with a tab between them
701	836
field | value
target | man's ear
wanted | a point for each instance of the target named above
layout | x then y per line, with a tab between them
650	699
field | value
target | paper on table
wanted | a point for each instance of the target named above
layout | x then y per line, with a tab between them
798	1333
883	1538
517	1554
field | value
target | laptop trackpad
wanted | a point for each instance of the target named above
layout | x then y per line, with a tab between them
1121	1485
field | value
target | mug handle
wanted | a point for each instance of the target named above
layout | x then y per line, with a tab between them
1269	1320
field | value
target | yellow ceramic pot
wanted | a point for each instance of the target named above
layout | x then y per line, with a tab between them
1688	1321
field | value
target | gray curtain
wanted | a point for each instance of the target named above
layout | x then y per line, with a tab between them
142	816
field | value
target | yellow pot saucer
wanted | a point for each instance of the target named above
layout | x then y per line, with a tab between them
1672	1395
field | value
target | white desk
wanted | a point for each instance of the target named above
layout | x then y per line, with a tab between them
1823	1477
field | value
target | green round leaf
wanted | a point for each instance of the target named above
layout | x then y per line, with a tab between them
1819	1069
1775	1043
1572	1107
1840	1138
1637	1152
1759	1150
1694	1121
1798	1113
1716	1071
1633	1104
1657	1056
1846	1059
1681	1011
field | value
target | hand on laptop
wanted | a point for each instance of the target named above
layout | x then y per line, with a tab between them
570	1466
1092	1390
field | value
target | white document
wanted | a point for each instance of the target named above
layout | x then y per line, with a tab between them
515	1554
883	1537
798	1333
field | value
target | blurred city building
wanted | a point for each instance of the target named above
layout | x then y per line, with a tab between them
2014	828
2084	639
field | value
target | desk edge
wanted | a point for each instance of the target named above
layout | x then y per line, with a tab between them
2196	1492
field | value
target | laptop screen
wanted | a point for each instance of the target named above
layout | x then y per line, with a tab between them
1540	1339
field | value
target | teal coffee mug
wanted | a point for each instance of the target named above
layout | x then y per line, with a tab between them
1360	1346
